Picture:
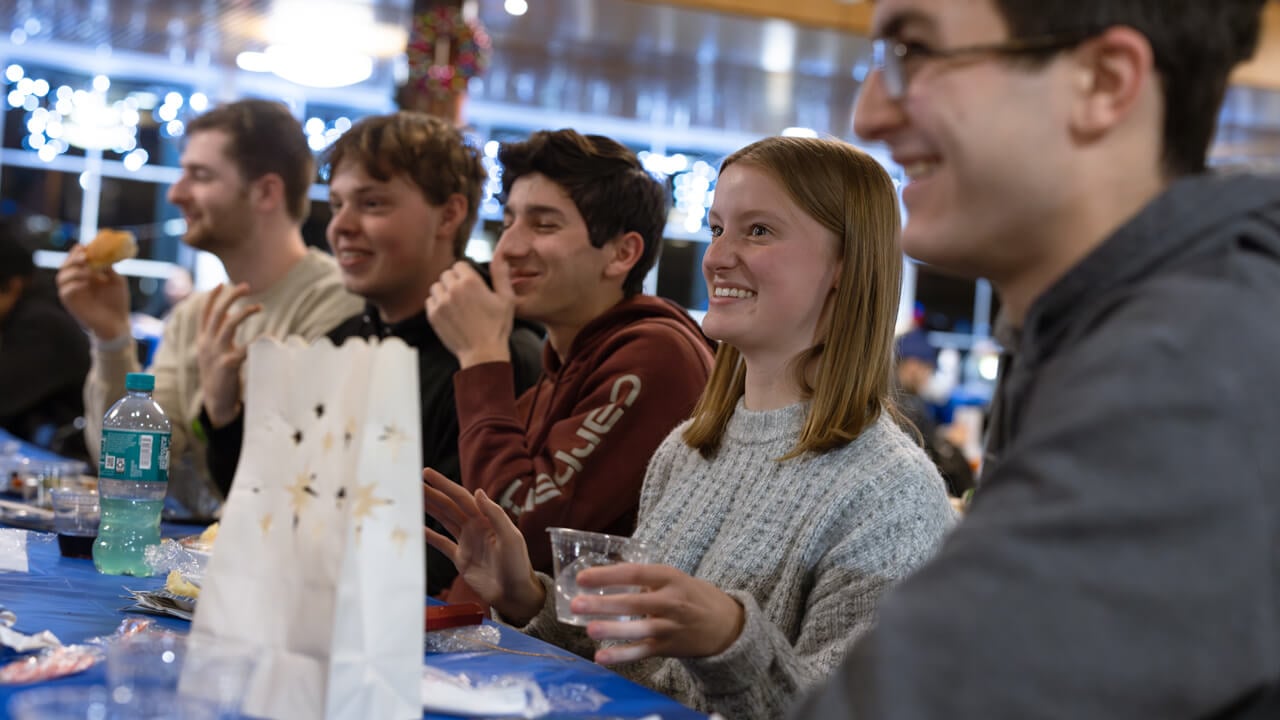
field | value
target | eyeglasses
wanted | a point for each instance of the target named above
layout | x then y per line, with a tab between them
893	57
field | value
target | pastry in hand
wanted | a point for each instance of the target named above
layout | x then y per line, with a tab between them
109	247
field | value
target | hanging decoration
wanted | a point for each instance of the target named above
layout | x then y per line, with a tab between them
446	50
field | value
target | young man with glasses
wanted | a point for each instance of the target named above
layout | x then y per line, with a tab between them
1121	558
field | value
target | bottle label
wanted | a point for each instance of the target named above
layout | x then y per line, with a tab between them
134	455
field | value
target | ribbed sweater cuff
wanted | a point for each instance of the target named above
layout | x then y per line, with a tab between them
745	662
547	614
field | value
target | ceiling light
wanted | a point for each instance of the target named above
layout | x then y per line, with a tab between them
319	67
253	61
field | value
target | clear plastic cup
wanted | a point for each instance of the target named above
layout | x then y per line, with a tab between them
75	519
573	551
147	661
212	671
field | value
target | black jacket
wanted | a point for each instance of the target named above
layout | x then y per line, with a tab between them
44	357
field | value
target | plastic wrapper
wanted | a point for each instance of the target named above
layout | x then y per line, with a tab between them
170	555
575	698
51	663
469	638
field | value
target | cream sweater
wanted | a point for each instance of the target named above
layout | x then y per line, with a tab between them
807	546
309	301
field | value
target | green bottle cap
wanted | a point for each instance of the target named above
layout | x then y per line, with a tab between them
140	381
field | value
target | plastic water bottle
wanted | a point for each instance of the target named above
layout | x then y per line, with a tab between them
133	476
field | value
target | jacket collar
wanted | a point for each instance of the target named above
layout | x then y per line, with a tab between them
1179	223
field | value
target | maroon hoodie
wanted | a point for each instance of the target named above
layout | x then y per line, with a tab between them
572	450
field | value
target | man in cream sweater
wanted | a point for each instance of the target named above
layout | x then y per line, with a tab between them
246	171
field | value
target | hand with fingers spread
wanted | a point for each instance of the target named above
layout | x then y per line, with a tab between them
97	299
681	616
487	548
218	355
471	320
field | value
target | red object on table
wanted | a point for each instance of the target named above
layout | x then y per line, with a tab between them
440	617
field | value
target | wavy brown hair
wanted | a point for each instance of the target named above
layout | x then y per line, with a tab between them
430	152
846	373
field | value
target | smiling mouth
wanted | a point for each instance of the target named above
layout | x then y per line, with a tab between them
350	257
734	293
919	169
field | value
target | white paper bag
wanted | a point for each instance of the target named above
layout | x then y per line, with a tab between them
318	564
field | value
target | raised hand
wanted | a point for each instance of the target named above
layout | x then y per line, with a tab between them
488	551
471	320
218	355
682	616
97	299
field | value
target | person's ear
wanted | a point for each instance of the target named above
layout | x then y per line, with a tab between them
452	214
1112	73
624	252
267	192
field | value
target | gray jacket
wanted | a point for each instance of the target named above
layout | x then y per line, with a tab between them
1122	556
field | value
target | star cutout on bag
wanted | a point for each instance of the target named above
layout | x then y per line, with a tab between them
301	493
395	438
399	537
349	432
365	501
265	524
328	441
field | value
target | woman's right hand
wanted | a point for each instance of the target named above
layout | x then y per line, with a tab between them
488	549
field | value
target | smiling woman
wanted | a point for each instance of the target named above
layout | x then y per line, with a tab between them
792	500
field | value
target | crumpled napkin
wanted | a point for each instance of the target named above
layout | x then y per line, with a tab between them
450	694
13	550
25	643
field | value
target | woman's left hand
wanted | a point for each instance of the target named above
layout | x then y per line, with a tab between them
682	615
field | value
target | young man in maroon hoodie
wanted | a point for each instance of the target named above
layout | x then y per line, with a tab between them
582	225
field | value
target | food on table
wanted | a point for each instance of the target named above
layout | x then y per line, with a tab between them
209	535
109	247
180	586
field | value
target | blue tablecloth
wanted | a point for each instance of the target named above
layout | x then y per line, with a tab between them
70	598
35	452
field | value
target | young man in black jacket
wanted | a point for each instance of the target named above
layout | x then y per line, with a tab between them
44	355
1121	558
405	190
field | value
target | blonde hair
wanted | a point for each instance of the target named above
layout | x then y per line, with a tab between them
851	362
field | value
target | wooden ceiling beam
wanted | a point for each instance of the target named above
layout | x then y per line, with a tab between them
1264	69
845	15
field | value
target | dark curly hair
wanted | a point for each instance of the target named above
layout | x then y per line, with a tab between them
606	182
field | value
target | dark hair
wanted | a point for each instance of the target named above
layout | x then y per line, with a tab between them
1196	44
606	182
15	256
265	138
429	151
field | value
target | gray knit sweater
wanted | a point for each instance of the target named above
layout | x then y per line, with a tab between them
806	545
